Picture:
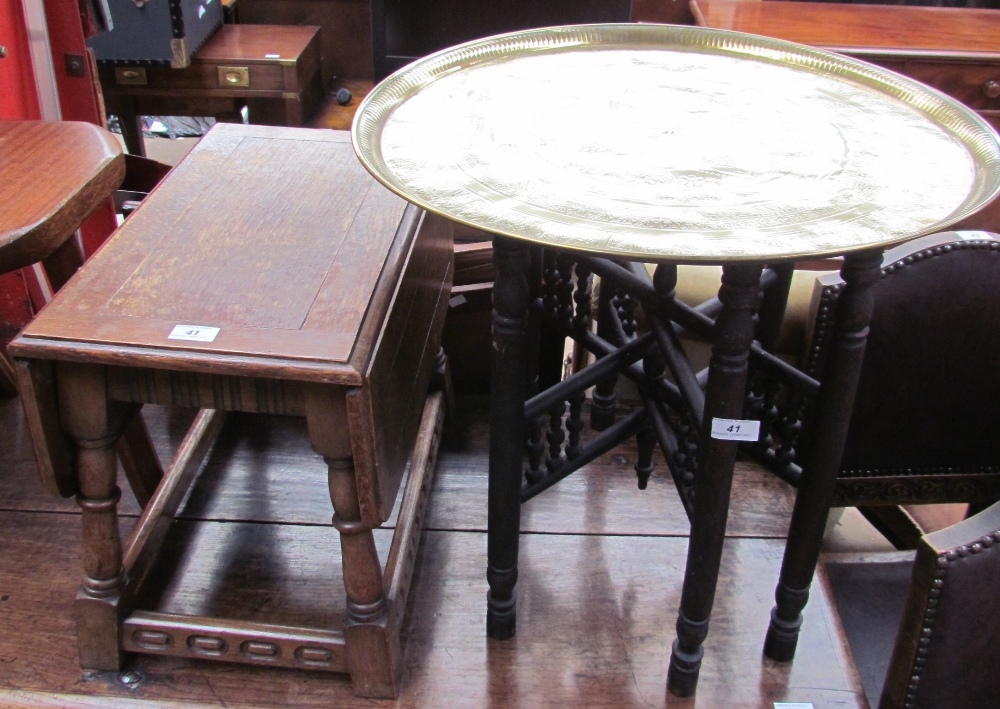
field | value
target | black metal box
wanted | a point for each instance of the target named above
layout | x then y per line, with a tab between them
156	31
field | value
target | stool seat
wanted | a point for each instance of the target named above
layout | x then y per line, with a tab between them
53	175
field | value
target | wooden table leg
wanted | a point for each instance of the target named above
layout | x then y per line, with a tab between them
823	452
772	307
724	398
93	425
604	398
372	641
131	124
135	449
511	296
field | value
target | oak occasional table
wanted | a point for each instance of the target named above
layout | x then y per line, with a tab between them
268	273
712	147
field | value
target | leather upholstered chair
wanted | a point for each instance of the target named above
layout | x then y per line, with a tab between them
945	652
924	423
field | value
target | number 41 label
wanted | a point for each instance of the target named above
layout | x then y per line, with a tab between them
735	429
195	333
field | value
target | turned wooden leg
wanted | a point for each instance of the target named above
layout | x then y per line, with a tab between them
507	430
824	449
604	400
94	427
772	306
372	640
131	125
724	399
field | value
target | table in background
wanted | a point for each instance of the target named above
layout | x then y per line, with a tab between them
272	69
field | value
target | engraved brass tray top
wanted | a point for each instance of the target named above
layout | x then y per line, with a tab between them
656	142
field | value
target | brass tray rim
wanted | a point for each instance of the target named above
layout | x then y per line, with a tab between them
978	137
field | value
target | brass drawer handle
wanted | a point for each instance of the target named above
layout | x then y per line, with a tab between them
992	88
130	77
234	76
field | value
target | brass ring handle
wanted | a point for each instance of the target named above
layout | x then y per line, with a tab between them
130	74
992	88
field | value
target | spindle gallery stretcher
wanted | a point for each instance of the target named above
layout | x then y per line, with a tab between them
268	273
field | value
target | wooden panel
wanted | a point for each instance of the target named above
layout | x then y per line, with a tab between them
275	43
965	81
240	241
904	29
345	34
385	415
671	13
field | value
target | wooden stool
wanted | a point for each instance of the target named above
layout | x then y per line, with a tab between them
268	273
53	175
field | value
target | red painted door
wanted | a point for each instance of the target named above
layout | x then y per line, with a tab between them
78	98
18	98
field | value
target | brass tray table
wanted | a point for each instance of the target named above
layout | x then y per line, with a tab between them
593	149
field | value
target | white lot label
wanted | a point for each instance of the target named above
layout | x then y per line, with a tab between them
793	705
735	430
195	333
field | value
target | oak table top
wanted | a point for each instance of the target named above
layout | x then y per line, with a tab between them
295	306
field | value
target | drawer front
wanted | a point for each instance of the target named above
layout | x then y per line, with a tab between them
232	77
977	85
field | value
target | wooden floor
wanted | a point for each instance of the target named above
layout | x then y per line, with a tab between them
600	578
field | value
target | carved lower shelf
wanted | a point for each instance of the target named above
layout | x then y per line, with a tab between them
263	644
232	641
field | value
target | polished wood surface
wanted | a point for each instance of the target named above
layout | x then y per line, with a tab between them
345	30
955	50
860	29
599	592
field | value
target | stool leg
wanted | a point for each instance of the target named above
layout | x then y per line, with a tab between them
824	451
372	640
723	399
8	378
511	296
92	424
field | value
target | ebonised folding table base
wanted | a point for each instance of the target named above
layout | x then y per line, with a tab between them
536	426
